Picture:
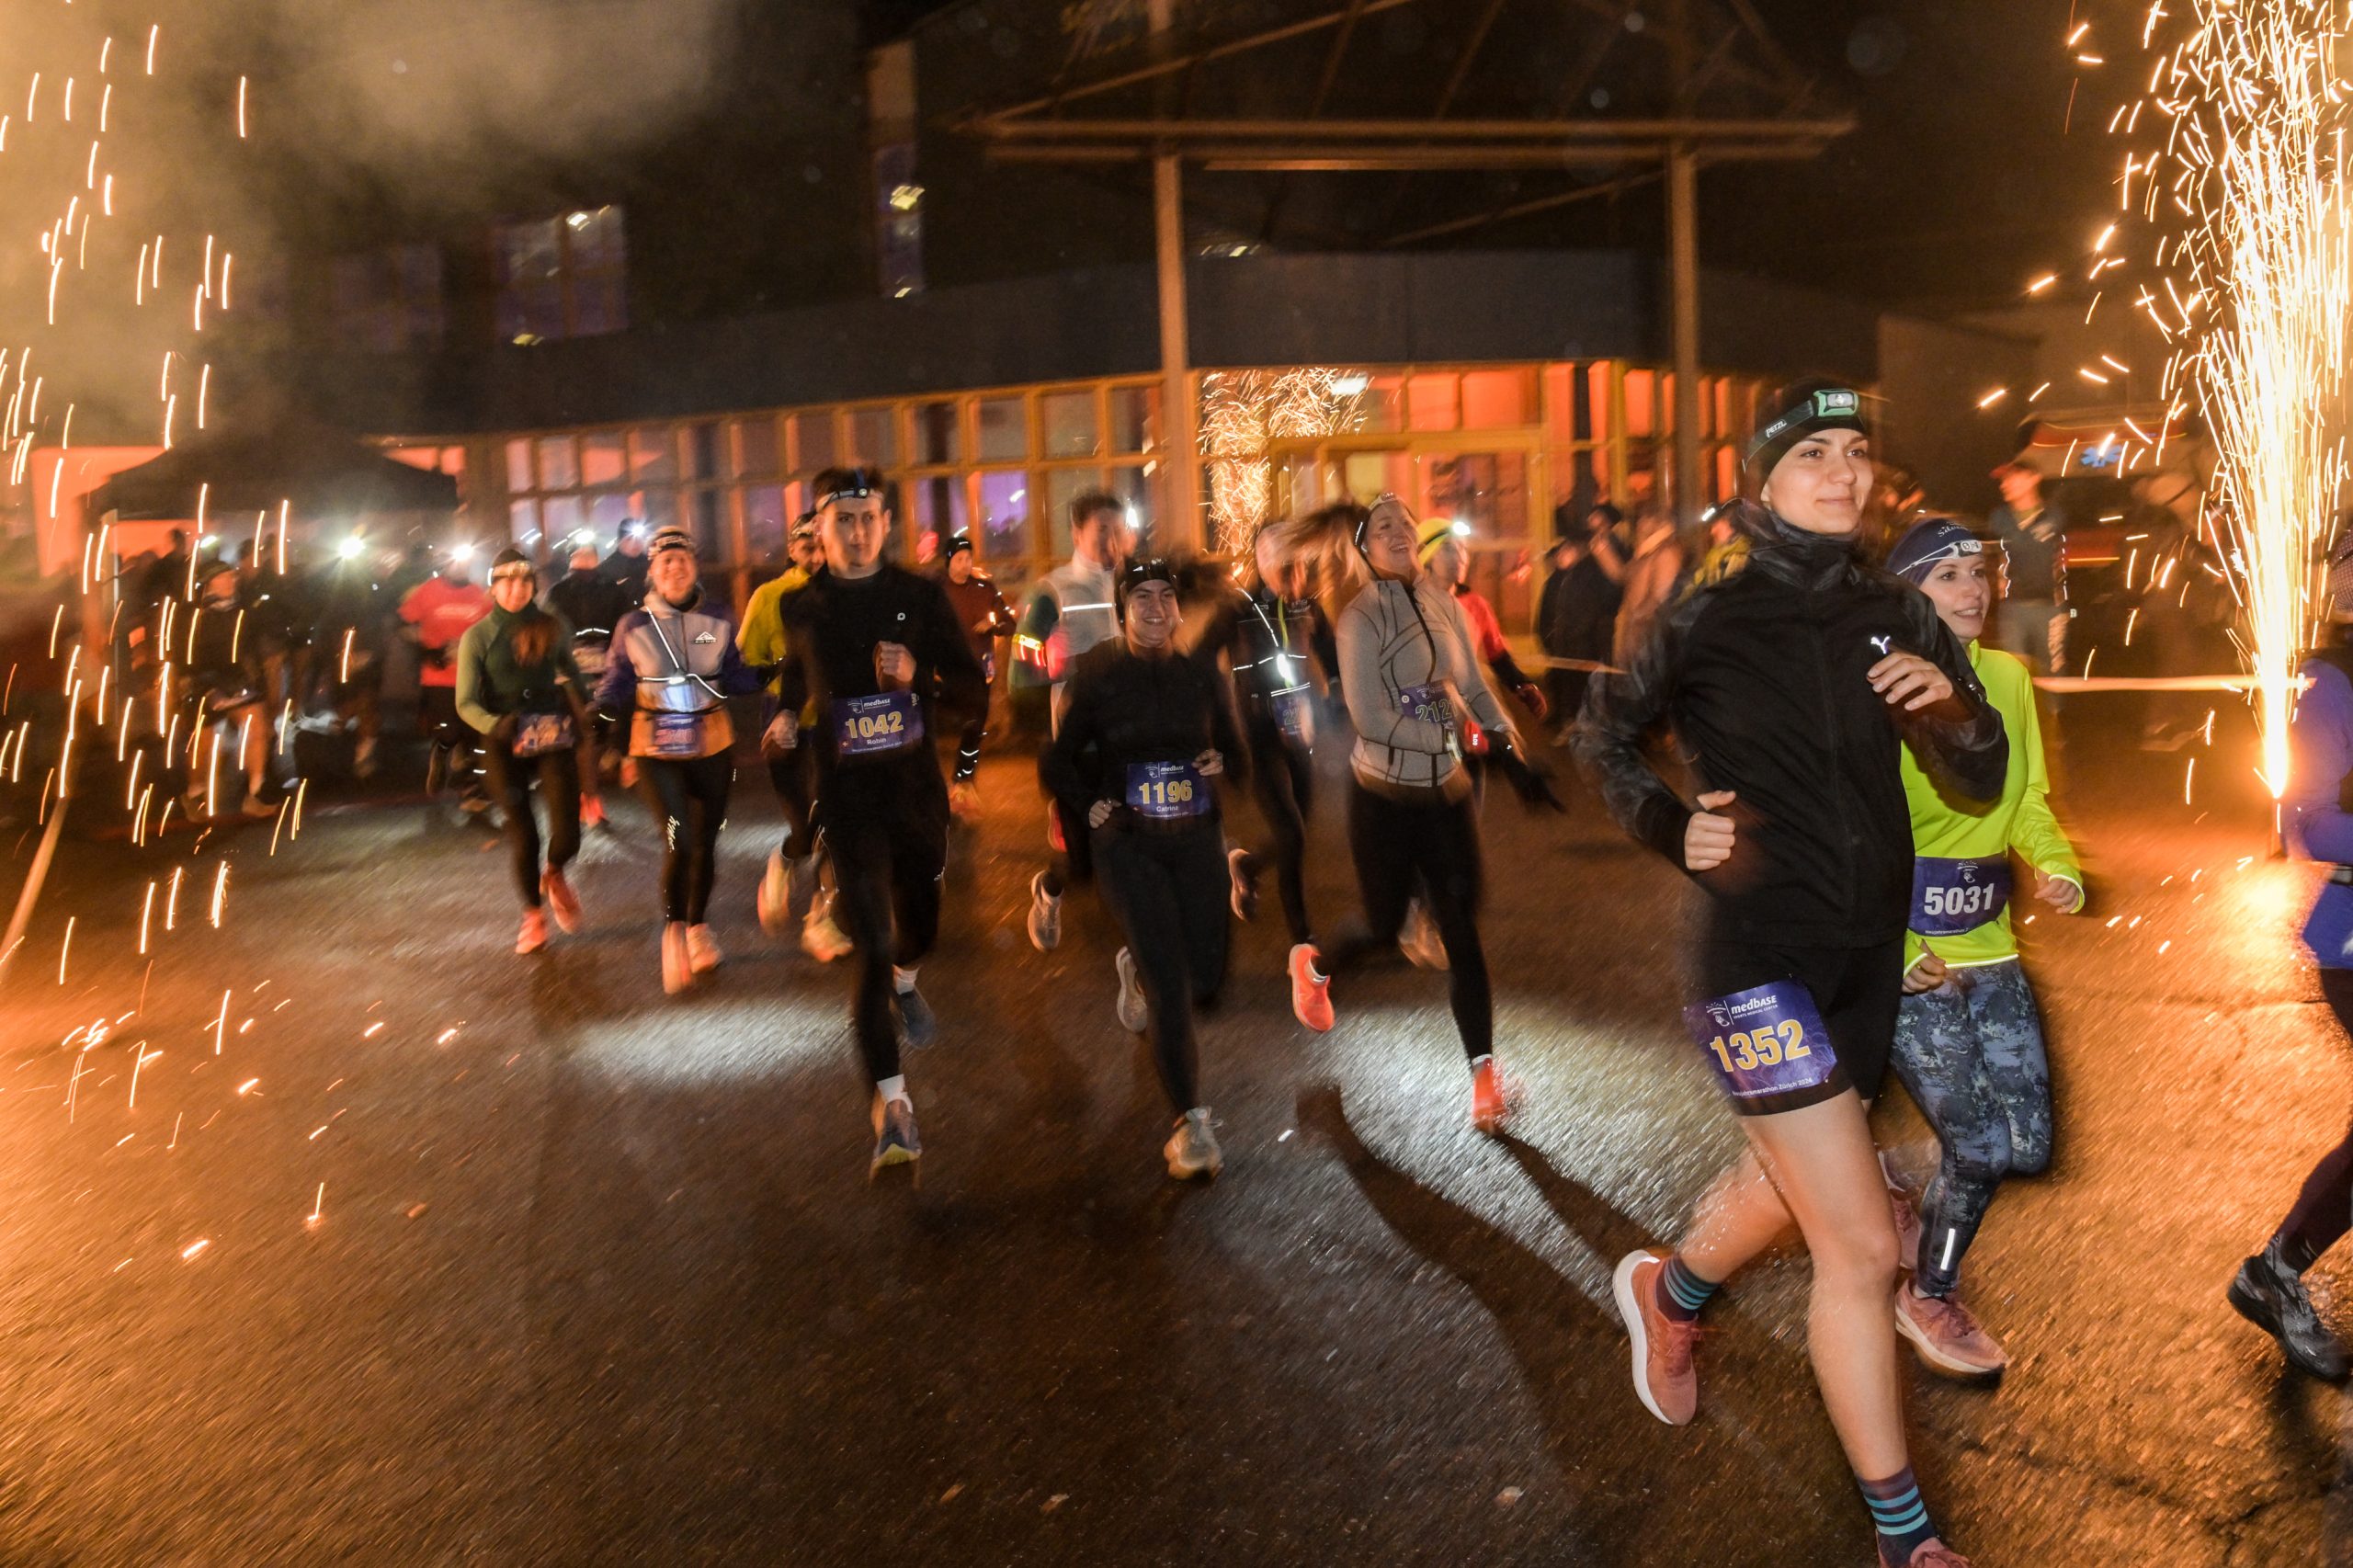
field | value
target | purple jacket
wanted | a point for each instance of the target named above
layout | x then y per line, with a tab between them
2313	820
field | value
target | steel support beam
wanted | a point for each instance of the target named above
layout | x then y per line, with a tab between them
1683	245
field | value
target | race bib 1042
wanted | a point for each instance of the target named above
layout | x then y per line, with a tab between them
1765	1040
872	726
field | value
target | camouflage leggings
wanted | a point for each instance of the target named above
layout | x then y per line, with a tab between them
1970	1055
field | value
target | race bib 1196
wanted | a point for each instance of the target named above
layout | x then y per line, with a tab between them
1167	791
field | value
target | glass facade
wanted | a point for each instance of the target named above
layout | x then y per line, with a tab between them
1511	450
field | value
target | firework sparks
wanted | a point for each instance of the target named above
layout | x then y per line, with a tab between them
2246	194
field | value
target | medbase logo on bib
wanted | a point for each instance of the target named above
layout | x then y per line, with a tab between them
1768	1040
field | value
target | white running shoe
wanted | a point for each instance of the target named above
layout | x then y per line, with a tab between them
821	939
702	949
1045	916
1135	1014
1192	1150
773	900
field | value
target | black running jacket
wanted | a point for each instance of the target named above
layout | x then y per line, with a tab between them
1760	673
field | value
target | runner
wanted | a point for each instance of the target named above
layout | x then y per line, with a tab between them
672	668
1070	613
438	612
224	685
516	685
1143	732
2268	1290
1264	636
1415	692
1789	680
1969	1036
1446	559
348	675
875	649
591	604
985	617
792	877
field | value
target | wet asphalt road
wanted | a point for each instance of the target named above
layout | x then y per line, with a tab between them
596	1277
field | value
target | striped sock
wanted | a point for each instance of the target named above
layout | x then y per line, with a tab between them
1901	1517
1682	1293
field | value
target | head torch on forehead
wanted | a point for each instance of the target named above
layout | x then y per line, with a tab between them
856	490
1835	403
512	569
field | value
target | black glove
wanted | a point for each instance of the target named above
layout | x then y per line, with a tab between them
1529	780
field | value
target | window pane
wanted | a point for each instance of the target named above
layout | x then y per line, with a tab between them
813	441
518	468
1383	406
651	455
702	452
1641	387
1434	403
755	453
707	520
1135	419
654	509
1063	486
557	469
1005	515
1134	486
560	515
1494	400
936	435
940	512
765	517
1004	430
606	513
602	461
1069	419
1598	381
453	460
523	521
871	438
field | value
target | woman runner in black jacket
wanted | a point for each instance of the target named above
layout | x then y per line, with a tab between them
1789	680
1143	732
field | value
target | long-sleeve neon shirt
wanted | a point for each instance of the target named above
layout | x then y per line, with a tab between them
2019	823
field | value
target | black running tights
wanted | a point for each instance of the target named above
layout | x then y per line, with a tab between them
688	795
1400	850
2325	1208
558	773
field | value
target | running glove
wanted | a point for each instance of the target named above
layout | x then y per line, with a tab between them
1528	780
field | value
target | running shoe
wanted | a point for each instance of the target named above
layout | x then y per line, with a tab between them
895	1143
1933	1554
1420	939
1907	1229
563	902
1311	993
1243	867
1045	916
703	953
592	812
1192	1150
1947	1336
963	801
1135	1014
534	934
821	939
774	899
677	970
801	879
1664	1379
2268	1295
1490	1106
437	768
257	809
916	1021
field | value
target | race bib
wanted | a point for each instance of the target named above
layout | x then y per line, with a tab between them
1292	717
1427	703
676	735
871	726
1766	1040
1950	897
538	733
1169	792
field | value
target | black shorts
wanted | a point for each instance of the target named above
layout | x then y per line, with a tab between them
1857	989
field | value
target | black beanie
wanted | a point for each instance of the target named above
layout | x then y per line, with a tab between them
1801	409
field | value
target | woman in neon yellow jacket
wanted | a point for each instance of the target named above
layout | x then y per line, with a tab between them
1969	1040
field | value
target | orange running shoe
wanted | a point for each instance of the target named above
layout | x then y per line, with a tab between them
1489	1106
1311	993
